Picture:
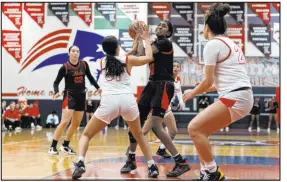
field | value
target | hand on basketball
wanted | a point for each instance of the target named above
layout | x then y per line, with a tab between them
56	96
187	95
143	31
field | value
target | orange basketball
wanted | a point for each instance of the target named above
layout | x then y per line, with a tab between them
133	28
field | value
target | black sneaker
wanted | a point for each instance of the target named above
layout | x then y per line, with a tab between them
129	167
53	151
79	170
200	176
67	149
179	169
153	171
208	176
163	153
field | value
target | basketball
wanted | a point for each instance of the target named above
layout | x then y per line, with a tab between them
133	28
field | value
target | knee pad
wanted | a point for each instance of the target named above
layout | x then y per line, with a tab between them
157	111
131	137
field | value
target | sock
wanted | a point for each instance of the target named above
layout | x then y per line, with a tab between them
150	162
202	166
66	143
162	147
130	152
211	166
81	158
54	143
132	157
177	158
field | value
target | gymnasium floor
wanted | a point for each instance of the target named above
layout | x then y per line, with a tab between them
241	155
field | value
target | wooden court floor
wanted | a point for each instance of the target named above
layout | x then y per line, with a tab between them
240	154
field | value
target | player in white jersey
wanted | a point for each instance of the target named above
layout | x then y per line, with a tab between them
226	72
176	104
117	98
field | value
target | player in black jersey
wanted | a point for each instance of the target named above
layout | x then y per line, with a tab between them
74	72
156	96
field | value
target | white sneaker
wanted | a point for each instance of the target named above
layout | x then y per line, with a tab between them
18	128
278	130
268	130
221	130
39	127
117	127
227	129
249	129
52	151
32	126
125	127
258	129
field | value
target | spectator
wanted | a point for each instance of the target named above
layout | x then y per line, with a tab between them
272	108
52	120
35	115
255	112
25	115
3	109
12	118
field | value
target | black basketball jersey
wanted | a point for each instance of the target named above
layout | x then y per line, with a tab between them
161	69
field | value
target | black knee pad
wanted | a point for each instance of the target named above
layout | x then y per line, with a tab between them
144	111
131	137
158	111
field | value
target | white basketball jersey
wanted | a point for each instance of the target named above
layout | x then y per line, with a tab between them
116	85
231	68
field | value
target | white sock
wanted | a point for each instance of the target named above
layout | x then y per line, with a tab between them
176	155
81	158
202	166
150	162
130	152
162	146
211	166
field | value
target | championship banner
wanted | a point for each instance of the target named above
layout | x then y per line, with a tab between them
276	6
237	12
183	37
61	10
276	32
236	33
14	12
262	10
162	10
132	10
259	35
204	7
36	12
12	42
108	10
84	11
185	10
125	40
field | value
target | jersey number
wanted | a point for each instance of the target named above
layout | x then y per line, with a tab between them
241	58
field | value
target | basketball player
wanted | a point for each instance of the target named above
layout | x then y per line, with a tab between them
169	120
74	72
157	96
117	99
226	72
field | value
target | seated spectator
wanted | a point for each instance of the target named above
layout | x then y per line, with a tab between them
35	115
25	115
3	109
52	120
12	118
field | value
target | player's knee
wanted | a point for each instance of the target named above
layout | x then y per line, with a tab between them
172	133
192	130
132	138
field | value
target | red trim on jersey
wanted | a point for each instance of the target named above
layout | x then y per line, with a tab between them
164	99
73	65
84	64
66	68
65	102
168	52
139	92
227	102
227	46
127	60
